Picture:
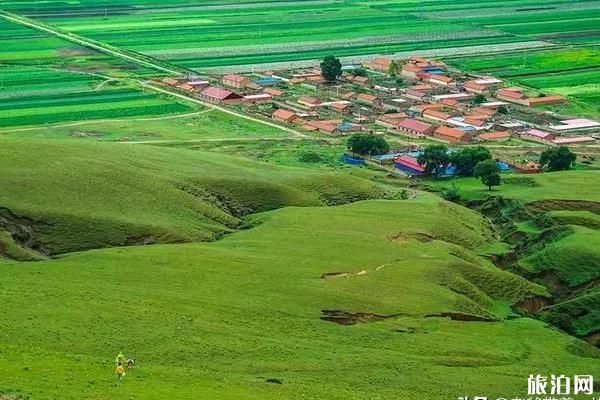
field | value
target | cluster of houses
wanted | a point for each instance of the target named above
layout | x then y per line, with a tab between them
418	97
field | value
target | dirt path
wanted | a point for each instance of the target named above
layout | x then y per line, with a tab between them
220	108
191	141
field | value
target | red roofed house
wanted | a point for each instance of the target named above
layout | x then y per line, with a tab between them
574	140
361	80
220	95
436	115
474	120
390	120
415	94
414	127
514	95
309	101
236	81
409	164
494	136
342	107
170	81
283	115
536	101
474	87
488	112
452	135
410	70
379	64
367	98
272	91
442	80
538	136
324	126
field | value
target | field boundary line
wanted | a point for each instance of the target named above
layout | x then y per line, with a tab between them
93	44
93	121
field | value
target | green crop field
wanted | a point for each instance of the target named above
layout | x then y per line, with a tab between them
572	72
232	33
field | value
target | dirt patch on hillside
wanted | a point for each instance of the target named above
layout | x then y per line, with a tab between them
399	238
531	305
86	134
23	231
347	318
424	237
332	275
457	316
569	205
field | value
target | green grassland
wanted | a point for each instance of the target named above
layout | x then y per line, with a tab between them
548	186
217	320
561	253
81	196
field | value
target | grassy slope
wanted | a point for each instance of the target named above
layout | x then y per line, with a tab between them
205	124
94	195
216	320
574	259
548	186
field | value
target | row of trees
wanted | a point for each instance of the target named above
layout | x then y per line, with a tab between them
469	161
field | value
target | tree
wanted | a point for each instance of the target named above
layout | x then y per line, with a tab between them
488	173
557	159
393	68
367	144
331	68
435	159
360	71
465	160
502	110
479	99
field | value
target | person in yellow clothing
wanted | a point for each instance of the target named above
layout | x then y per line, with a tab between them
120	358
120	371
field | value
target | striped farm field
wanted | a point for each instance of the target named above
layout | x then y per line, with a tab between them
572	72
32	96
227	32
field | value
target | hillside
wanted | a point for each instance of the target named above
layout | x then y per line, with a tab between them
551	219
60	196
220	319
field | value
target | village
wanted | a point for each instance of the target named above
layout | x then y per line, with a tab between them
416	101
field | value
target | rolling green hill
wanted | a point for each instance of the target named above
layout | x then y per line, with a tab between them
221	319
552	220
64	196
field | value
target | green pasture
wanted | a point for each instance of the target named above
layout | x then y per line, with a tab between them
220	319
124	193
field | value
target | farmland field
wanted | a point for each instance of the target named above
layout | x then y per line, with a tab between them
229	33
572	72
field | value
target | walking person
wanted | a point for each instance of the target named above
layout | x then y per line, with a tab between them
120	371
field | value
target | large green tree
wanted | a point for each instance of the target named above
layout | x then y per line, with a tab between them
488	173
557	159
435	159
331	68
465	159
367	144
